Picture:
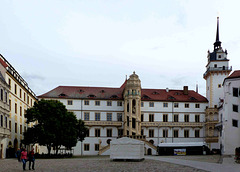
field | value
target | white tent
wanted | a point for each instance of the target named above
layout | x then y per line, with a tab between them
126	148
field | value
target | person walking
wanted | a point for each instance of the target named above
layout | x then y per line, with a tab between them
18	154
24	158
31	159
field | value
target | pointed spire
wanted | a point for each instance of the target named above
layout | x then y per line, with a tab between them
217	44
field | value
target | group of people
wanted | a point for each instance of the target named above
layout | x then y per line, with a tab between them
23	156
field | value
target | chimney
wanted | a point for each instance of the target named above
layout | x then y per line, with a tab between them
167	90
185	90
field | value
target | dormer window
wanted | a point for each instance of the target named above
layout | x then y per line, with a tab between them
192	98
155	93
145	97
114	96
62	95
81	91
102	91
91	96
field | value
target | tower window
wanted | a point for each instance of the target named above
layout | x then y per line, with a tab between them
235	108
235	123
219	56
219	85
235	92
215	65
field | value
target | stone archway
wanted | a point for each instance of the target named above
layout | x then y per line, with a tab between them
15	144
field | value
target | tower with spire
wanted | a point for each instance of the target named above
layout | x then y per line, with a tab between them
217	69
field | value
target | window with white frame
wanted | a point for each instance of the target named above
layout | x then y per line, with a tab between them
109	103
165	104
165	132
70	102
151	133
151	104
86	116
97	103
197	105
86	102
175	105
97	116
109	116
119	103
119	116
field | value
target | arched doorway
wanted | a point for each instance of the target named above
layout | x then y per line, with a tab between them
15	144
149	151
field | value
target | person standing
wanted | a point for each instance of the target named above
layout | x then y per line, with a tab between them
18	154
31	159
24	158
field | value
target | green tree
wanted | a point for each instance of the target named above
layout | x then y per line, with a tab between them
54	125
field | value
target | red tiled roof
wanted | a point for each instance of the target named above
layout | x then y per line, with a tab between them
235	74
105	93
3	63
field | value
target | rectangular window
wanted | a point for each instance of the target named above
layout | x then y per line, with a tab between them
165	133
97	132
186	105
142	132
109	132
86	102
10	103
165	117
2	94
235	123
133	123
165	104
15	127
24	96
151	117
86	147
31	102
186	133
15	107
109	116
20	129
97	103
175	133
235	92
235	108
87	133
1	121
6	97
70	102
120	132
151	133
186	118
119	103
27	99
20	92
15	89
96	147
142	104
119	116
197	105
176	105
97	116
20	110
142	117
86	116
9	83
175	117
151	104
10	125
109	103
197	118
6	122
197	133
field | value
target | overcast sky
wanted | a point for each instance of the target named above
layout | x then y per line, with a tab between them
99	42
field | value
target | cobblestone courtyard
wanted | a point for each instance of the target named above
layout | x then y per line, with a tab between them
90	164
